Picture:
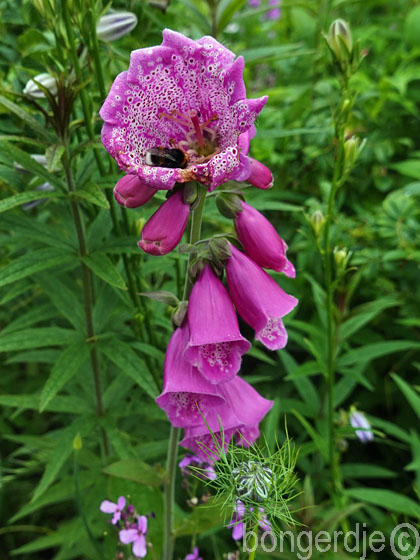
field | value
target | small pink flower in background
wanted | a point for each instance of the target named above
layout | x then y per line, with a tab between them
183	95
275	12
195	555
131	192
188	460
216	345
239	527
258	299
164	230
186	395
109	507
136	535
261	241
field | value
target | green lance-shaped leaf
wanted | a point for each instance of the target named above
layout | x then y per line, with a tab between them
376	350
226	10
32	262
102	266
412	397
92	193
36	338
67	365
386	499
121	354
27	118
22	198
136	470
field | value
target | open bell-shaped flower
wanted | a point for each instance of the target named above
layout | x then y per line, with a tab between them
258	299
131	192
163	231
186	395
261	241
216	345
177	114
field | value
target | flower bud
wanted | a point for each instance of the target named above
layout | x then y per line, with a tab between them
341	259
114	25
317	221
180	313
164	229
131	192
33	90
352	149
340	41
229	205
260	176
359	420
219	247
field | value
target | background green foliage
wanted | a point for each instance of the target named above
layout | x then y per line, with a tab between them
51	488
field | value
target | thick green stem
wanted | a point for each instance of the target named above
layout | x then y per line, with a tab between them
171	461
253	544
87	293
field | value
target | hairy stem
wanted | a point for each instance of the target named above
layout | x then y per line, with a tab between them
87	295
171	461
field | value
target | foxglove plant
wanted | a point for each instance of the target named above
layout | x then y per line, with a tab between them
180	115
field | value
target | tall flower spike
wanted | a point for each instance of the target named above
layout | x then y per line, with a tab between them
183	95
258	299
163	231
216	344
186	394
261	241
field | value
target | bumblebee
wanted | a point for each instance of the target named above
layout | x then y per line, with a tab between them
166	157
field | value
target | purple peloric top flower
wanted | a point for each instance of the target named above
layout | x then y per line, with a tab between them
109	507
164	230
244	409
359	420
216	345
195	555
237	524
136	534
183	95
258	299
186	395
261	241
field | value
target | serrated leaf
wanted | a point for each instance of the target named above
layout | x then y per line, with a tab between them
92	193
32	262
102	266
36	338
22	198
67	365
27	118
386	499
136	470
122	355
376	350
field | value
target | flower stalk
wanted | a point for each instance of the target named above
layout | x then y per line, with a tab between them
171	461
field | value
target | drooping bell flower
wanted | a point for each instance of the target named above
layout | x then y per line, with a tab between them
131	192
115	25
186	395
364	431
177	113
258	299
243	406
216	345
260	176
33	90
261	241
163	231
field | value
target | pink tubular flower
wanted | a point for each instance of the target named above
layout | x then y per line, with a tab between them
207	468
195	555
260	175
186	96
164	229
261	241
109	507
137	536
216	344
258	299
131	192
244	408
186	395
238	525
